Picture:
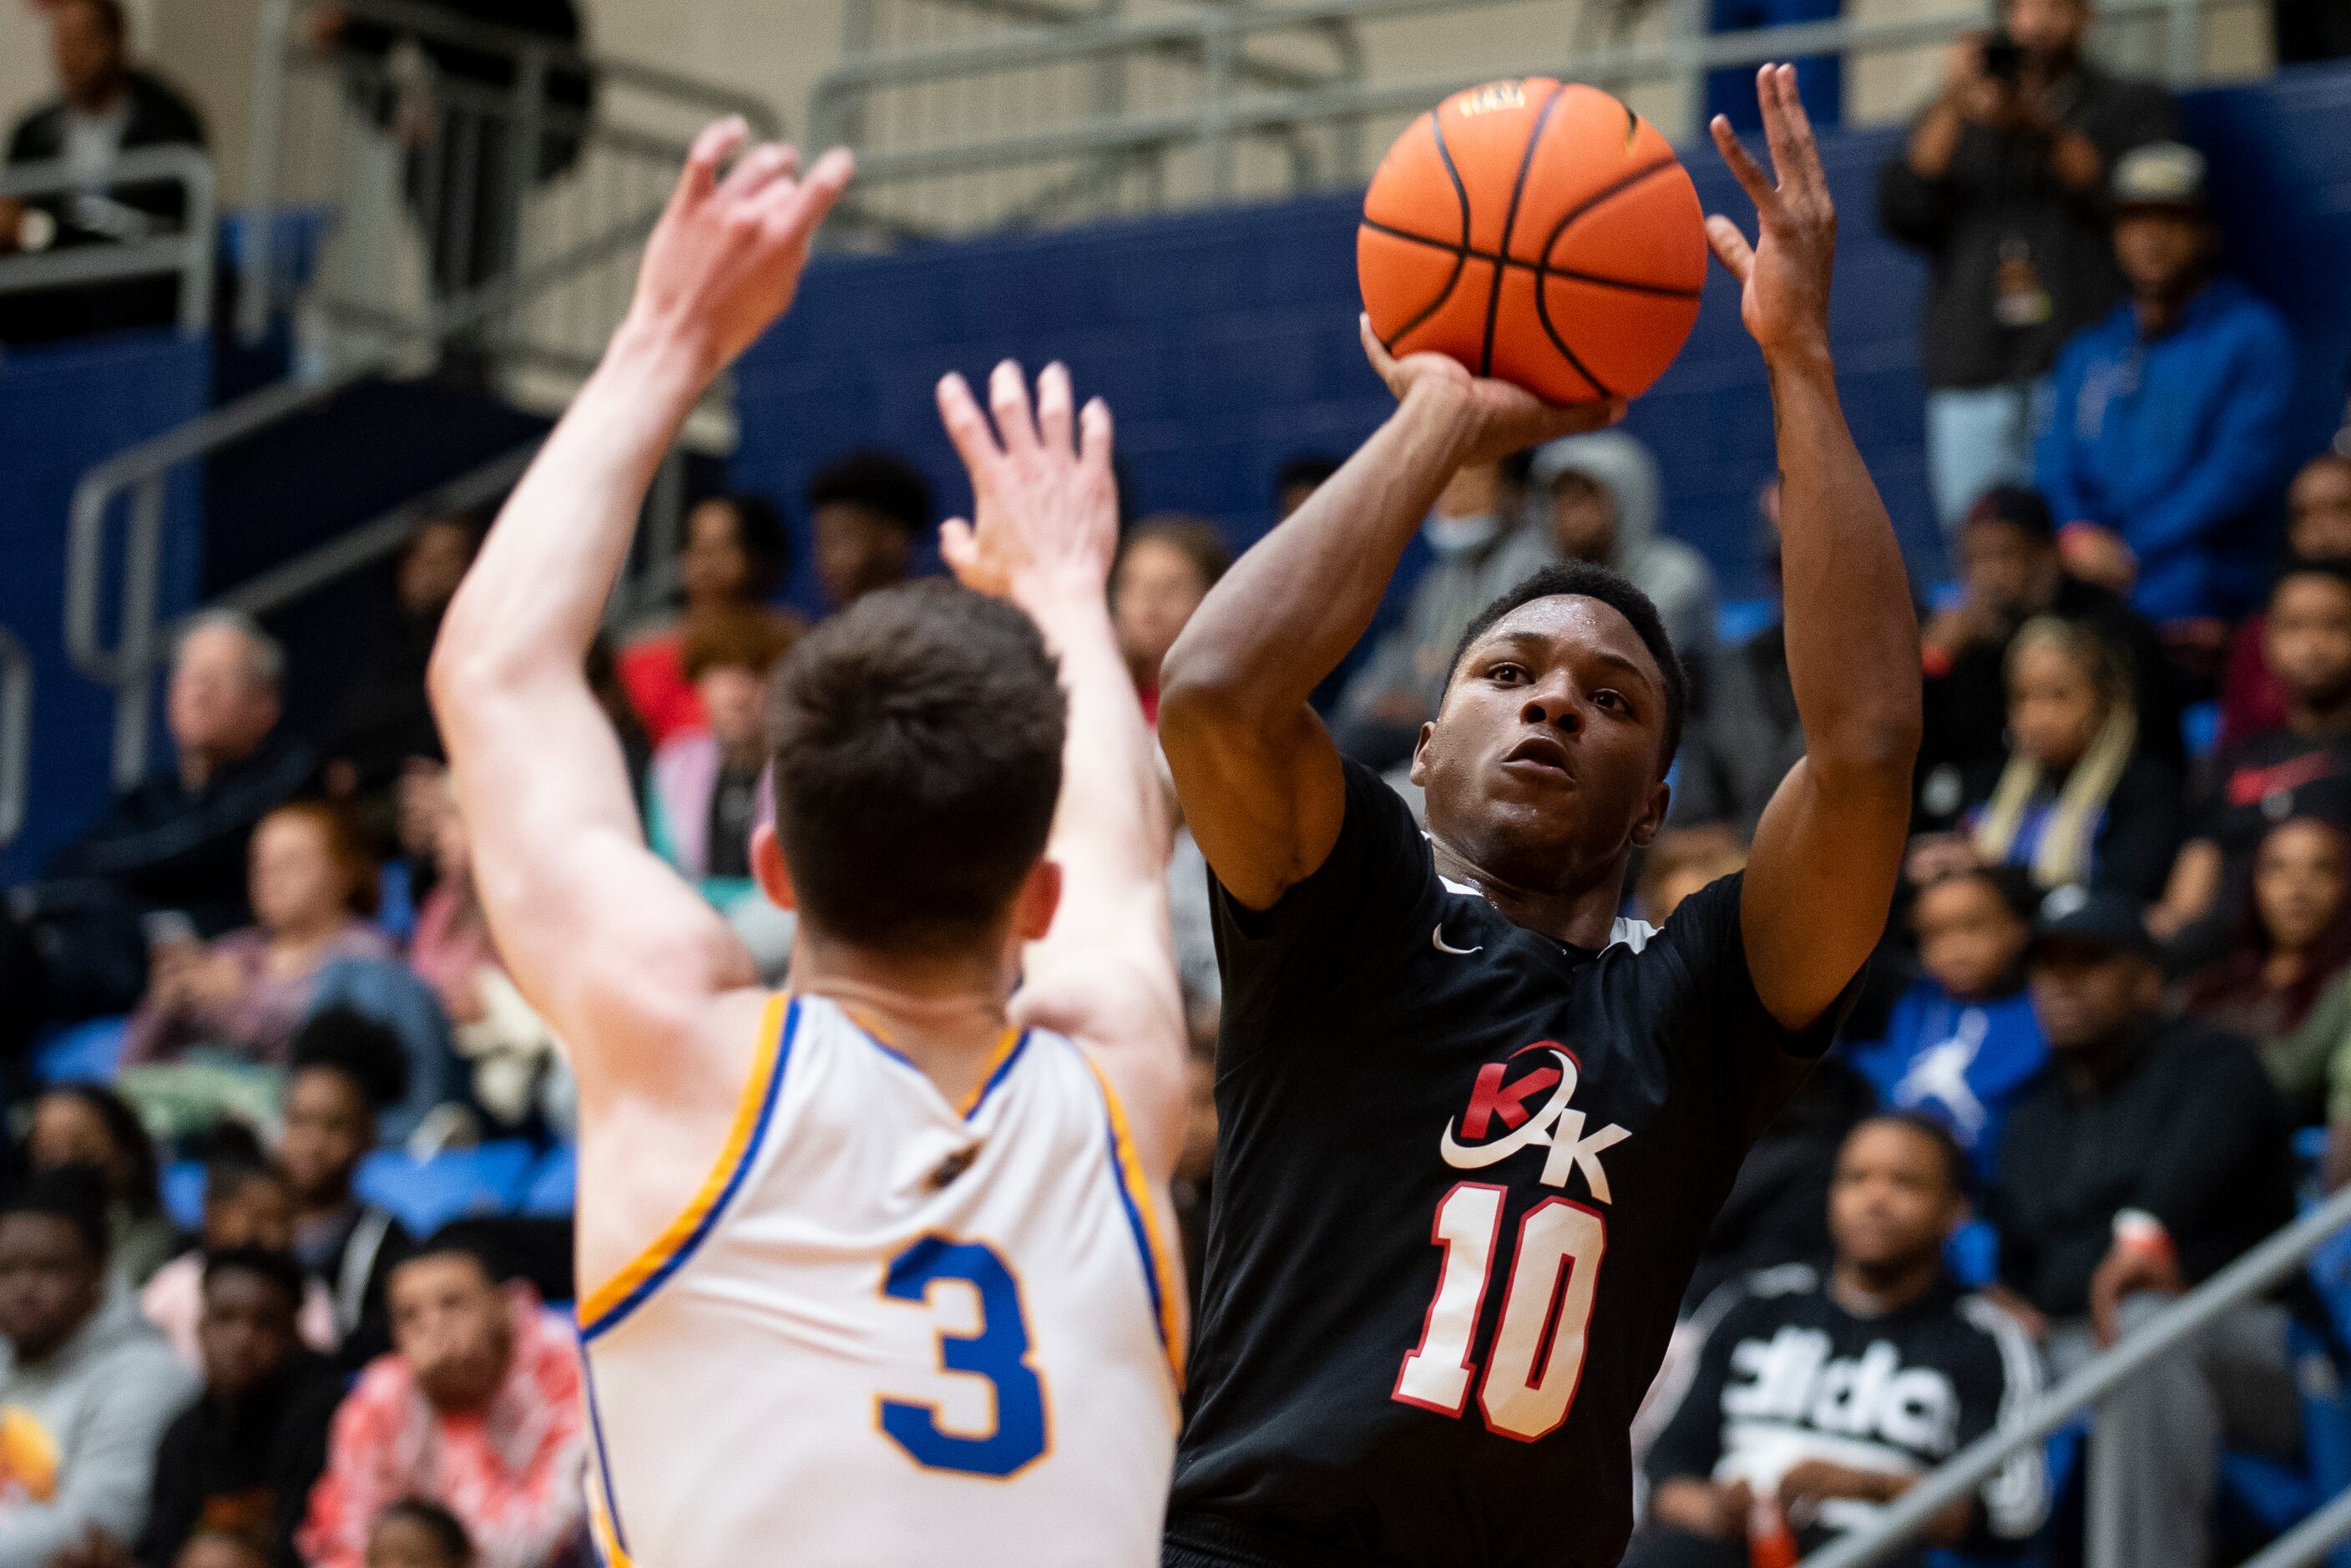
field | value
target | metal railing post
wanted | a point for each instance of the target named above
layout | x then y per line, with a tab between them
2312	1539
521	174
142	568
1217	44
16	733
275	36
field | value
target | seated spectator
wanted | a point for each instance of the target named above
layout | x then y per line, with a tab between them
1600	496
1165	566
517	1065
106	107
868	511
1743	734
2077	803
171	851
2167	433
1778	1208
735	556
2317	527
1962	1043
241	1460
1481	544
244	995
477	1408
88	1384
346	1071
2009	574
91	1126
2152	1156
248	1204
1681	863
383	721
2294	938
412	1533
1998	184
703	799
1772	1436
2303	769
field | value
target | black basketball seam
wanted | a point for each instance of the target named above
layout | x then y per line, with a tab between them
1460	252
1510	222
1631	286
1544	271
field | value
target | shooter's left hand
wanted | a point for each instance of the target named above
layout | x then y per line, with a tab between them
1784	275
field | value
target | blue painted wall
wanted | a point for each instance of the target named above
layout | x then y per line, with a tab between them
62	410
1224	341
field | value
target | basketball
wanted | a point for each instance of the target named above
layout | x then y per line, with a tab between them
1539	232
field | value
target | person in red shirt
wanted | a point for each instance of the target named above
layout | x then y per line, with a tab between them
477	1408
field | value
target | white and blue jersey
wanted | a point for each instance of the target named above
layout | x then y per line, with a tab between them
893	1330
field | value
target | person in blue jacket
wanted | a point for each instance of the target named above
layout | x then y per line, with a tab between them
2167	435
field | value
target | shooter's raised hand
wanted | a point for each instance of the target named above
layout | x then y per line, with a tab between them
1784	275
726	255
1044	501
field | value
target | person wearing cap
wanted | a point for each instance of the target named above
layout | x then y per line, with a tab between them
2009	573
2001	187
2153	1153
2167	437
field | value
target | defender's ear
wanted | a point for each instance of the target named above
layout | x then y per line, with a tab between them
767	868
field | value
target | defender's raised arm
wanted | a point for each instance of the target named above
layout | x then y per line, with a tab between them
1820	877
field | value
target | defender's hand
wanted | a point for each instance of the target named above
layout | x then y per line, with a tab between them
1043	496
1784	275
1499	417
726	255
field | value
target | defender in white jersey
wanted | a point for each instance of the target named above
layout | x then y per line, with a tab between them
874	1271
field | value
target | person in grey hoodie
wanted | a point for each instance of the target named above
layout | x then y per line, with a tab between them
1599	498
87	1385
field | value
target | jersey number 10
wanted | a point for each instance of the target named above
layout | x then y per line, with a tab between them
1537	1357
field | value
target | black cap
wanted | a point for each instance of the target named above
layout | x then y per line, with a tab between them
2081	918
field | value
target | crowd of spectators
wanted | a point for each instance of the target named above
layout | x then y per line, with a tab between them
2117	978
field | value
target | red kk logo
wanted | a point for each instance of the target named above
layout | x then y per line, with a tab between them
1498	1125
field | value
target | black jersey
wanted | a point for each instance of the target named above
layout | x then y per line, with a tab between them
1786	1375
1463	1174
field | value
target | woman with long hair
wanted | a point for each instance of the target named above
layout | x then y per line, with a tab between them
2078	801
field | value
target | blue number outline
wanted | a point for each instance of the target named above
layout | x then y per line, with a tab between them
999	1353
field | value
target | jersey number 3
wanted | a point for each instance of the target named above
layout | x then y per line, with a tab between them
998	1351
1537	1357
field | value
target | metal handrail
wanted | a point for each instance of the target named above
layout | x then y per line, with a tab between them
187	250
16	733
2256	1272
2312	1539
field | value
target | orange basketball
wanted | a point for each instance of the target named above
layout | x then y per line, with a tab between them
1536	231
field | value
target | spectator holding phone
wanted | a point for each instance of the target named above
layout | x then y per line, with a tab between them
2002	185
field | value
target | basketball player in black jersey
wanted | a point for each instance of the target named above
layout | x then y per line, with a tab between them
1473	1124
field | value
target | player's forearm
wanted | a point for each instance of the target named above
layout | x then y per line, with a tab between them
1292	606
1853	636
1112	830
533	599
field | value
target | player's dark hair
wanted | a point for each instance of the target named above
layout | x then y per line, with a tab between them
367	1052
881	482
1583	580
279	1269
75	1194
136	1185
917	739
1956	1169
448	1531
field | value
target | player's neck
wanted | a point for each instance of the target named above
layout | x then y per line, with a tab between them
1583	916
944	1014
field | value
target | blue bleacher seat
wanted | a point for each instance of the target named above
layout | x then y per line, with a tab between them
184	1195
551	1190
83	1054
428	1194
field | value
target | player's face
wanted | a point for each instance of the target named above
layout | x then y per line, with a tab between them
1542	765
246	1331
449	1323
2308	637
2318	511
1968	938
2298	883
2086	996
1891	1202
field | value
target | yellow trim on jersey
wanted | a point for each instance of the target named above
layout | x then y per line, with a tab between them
599	1304
997	1058
1130	1171
608	1545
